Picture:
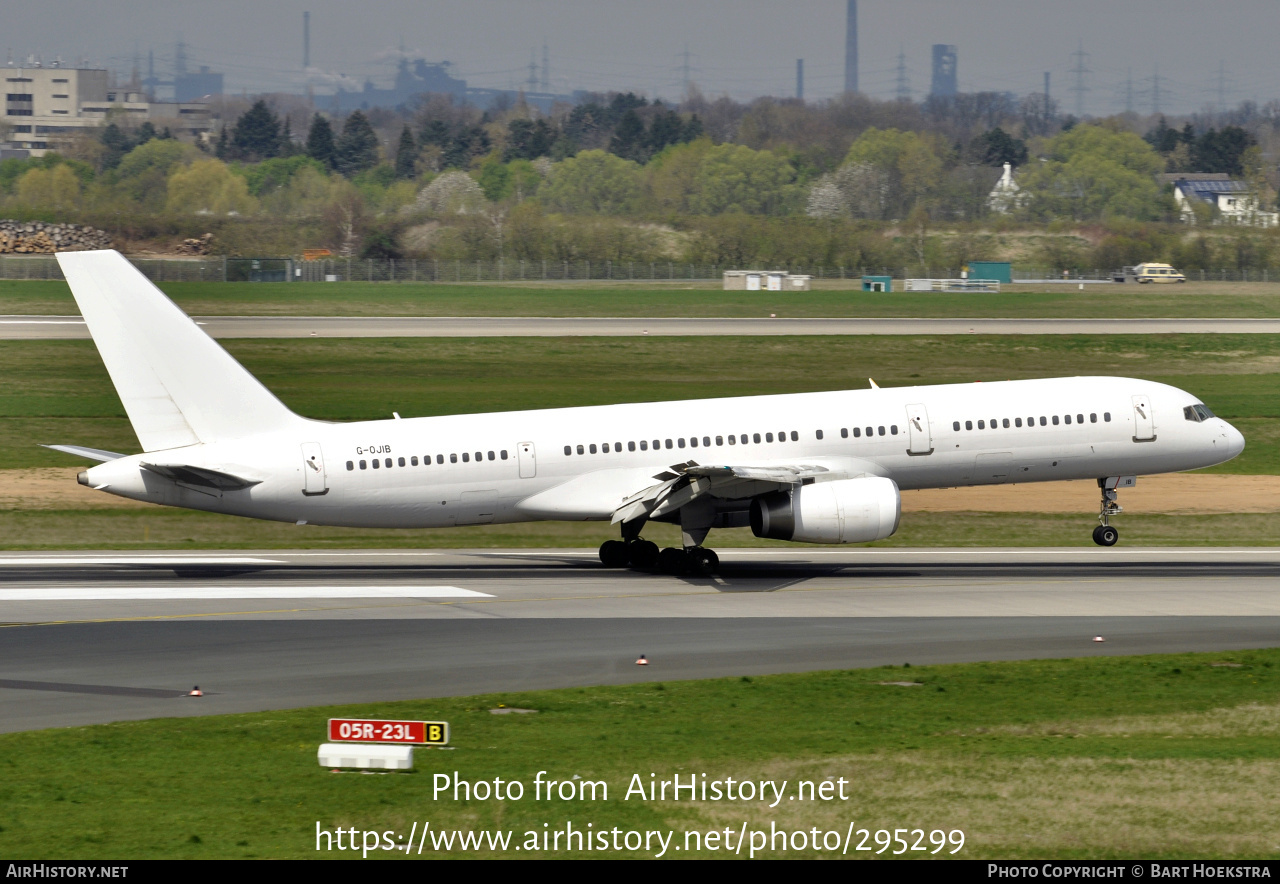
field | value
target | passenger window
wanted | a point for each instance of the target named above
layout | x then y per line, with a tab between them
592	449
631	446
819	435
756	438
857	432
377	464
968	425
1106	417
1079	418
400	461
1005	423
503	454
479	456
1044	422
350	466
413	461
581	450
882	431
363	465
387	463
1067	419
439	458
955	425
1017	422
492	456
982	425
466	457
1093	417
644	445
844	433
693	441
617	447
669	443
680	442
743	439
733	440
568	450
605	448
795	437
453	458
870	432
768	437
893	430
1055	420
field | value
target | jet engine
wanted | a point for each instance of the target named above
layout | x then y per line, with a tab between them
845	511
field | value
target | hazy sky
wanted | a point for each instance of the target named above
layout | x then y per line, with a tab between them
741	47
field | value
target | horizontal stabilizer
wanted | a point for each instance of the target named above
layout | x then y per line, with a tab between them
201	477
80	451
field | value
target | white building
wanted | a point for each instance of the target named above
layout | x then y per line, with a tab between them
1234	200
1006	195
47	106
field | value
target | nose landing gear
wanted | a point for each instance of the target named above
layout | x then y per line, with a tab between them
1105	534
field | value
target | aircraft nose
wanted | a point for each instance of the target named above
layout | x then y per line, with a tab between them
1235	440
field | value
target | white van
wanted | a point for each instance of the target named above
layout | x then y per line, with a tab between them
1157	273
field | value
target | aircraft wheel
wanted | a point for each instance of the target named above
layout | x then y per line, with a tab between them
643	553
614	554
1105	535
673	561
703	561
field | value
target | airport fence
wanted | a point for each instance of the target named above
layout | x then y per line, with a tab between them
228	269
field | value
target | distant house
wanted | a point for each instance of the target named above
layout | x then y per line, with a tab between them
1234	200
1006	195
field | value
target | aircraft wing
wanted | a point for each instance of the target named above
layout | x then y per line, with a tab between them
686	482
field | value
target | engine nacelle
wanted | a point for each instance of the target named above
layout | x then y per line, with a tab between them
845	511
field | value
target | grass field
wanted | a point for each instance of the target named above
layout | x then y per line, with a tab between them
1108	757
58	391
1246	300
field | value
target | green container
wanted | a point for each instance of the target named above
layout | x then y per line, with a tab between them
1000	271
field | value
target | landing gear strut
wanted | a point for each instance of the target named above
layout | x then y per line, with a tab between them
1104	534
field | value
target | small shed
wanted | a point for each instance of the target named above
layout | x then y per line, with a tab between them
999	271
877	283
765	280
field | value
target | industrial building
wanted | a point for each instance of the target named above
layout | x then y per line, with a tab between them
46	107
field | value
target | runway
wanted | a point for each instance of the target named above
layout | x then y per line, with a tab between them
104	636
72	327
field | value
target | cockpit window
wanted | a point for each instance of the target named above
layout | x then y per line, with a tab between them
1204	412
1197	413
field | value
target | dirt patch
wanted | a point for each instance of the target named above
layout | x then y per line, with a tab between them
56	488
1200	494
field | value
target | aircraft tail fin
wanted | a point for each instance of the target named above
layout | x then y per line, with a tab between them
178	386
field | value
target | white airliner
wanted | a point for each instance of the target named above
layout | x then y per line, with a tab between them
809	467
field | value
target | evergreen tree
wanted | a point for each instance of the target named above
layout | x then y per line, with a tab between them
357	147
693	128
320	146
528	140
997	147
257	133
628	139
406	153
117	144
223	149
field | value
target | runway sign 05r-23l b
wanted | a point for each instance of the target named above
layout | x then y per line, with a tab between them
412	733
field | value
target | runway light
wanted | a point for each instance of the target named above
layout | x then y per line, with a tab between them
1098	638
643	661
195	692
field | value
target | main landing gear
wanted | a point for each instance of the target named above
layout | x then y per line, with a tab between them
1104	534
644	555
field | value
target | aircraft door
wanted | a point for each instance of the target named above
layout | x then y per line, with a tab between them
528	460
314	480
921	436
1144	427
